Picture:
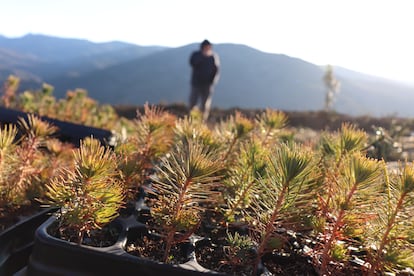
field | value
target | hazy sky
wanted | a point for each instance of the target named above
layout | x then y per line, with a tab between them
371	36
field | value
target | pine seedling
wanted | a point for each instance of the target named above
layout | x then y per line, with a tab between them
8	161
8	99
26	163
192	128
196	115
239	184
334	148
91	195
40	102
351	139
339	252
154	133
288	171
36	129
240	250
269	123
185	179
37	143
8	143
58	155
76	107
390	236
79	107
356	187
234	130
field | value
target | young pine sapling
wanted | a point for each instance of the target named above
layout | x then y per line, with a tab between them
356	187
288	171
391	235
186	178
89	196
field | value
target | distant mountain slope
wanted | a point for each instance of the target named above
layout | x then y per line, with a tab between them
25	66
248	78
363	94
80	65
253	78
50	48
40	57
121	73
159	76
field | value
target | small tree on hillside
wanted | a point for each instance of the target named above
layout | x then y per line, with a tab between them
332	87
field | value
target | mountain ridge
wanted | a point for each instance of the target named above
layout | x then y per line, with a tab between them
124	73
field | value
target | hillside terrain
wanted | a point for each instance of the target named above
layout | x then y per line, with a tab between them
121	73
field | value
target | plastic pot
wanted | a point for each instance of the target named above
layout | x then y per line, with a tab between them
16	242
53	256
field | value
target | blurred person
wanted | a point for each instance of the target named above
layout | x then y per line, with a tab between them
205	73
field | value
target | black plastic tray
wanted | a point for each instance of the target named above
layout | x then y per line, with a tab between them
53	256
16	242
68	132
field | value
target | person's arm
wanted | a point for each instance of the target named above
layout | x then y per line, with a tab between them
195	59
216	74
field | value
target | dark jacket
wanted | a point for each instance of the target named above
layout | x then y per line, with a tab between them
205	68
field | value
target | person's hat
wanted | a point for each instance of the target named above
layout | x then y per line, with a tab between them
205	42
